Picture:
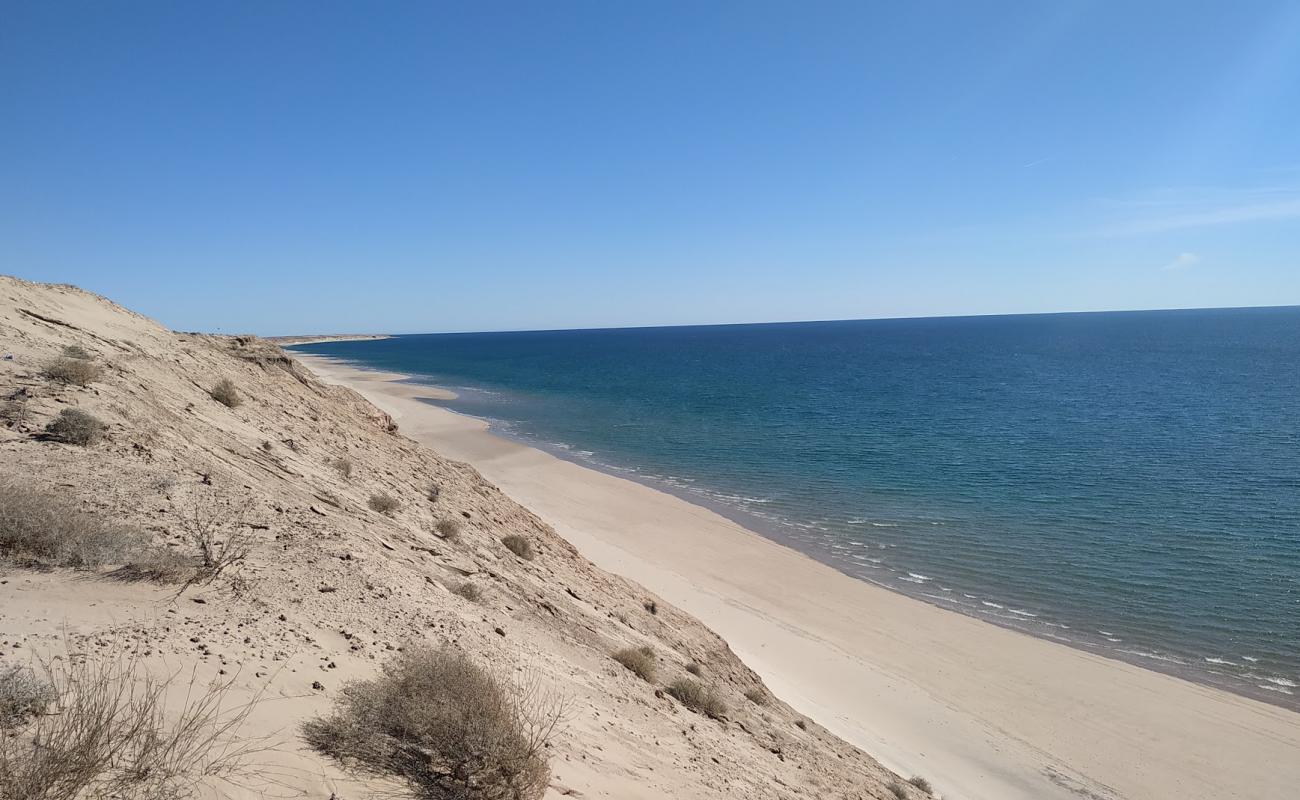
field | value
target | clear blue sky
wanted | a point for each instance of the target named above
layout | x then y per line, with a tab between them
320	166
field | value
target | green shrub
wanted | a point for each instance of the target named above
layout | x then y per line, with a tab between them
519	545
443	725
698	697
72	371
74	426
226	393
640	660
384	504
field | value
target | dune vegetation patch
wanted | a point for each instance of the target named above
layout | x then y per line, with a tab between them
444	726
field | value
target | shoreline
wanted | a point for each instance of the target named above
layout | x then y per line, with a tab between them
982	710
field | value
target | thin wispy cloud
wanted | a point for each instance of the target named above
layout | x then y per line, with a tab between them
1182	261
1171	210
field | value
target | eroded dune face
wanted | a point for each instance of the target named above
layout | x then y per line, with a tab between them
287	539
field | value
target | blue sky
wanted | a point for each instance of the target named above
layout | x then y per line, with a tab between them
291	167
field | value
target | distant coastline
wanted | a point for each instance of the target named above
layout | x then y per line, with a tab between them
337	337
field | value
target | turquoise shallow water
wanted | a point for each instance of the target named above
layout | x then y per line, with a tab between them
1124	482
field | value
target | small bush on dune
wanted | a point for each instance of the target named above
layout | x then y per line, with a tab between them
13	412
41	528
445	726
22	695
756	696
468	591
226	393
107	733
449	529
344	467
899	790
72	371
922	784
640	660
519	546
698	697
74	426
435	492
213	521
77	351
694	669
384	504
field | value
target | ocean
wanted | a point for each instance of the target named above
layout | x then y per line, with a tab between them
1126	482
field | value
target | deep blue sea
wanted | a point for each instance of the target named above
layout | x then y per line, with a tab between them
1125	482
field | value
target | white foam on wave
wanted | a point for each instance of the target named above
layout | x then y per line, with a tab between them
1223	661
919	576
991	605
1020	613
1278	689
1279	681
1251	659
1152	656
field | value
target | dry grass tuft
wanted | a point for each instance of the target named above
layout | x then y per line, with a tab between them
695	669
47	530
384	504
469	591
107	733
77	351
757	696
449	528
72	371
519	545
344	467
435	491
74	426
444	726
226	393
641	660
922	784
698	697
22	696
651	606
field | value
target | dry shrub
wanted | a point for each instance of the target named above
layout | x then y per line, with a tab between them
344	467
756	696
694	669
22	696
651	606
444	726
159	565
107	733
641	660
435	491
226	394
45	529
14	412
698	697
384	504
519	545
74	426
72	371
77	351
921	783
214	524
898	789
469	591
449	528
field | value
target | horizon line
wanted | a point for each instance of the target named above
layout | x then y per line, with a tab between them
794	321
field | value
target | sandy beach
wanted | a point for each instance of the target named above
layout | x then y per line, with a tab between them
981	711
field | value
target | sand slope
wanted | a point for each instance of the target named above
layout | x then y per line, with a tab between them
332	587
983	712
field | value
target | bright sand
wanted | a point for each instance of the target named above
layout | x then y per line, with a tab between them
983	712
